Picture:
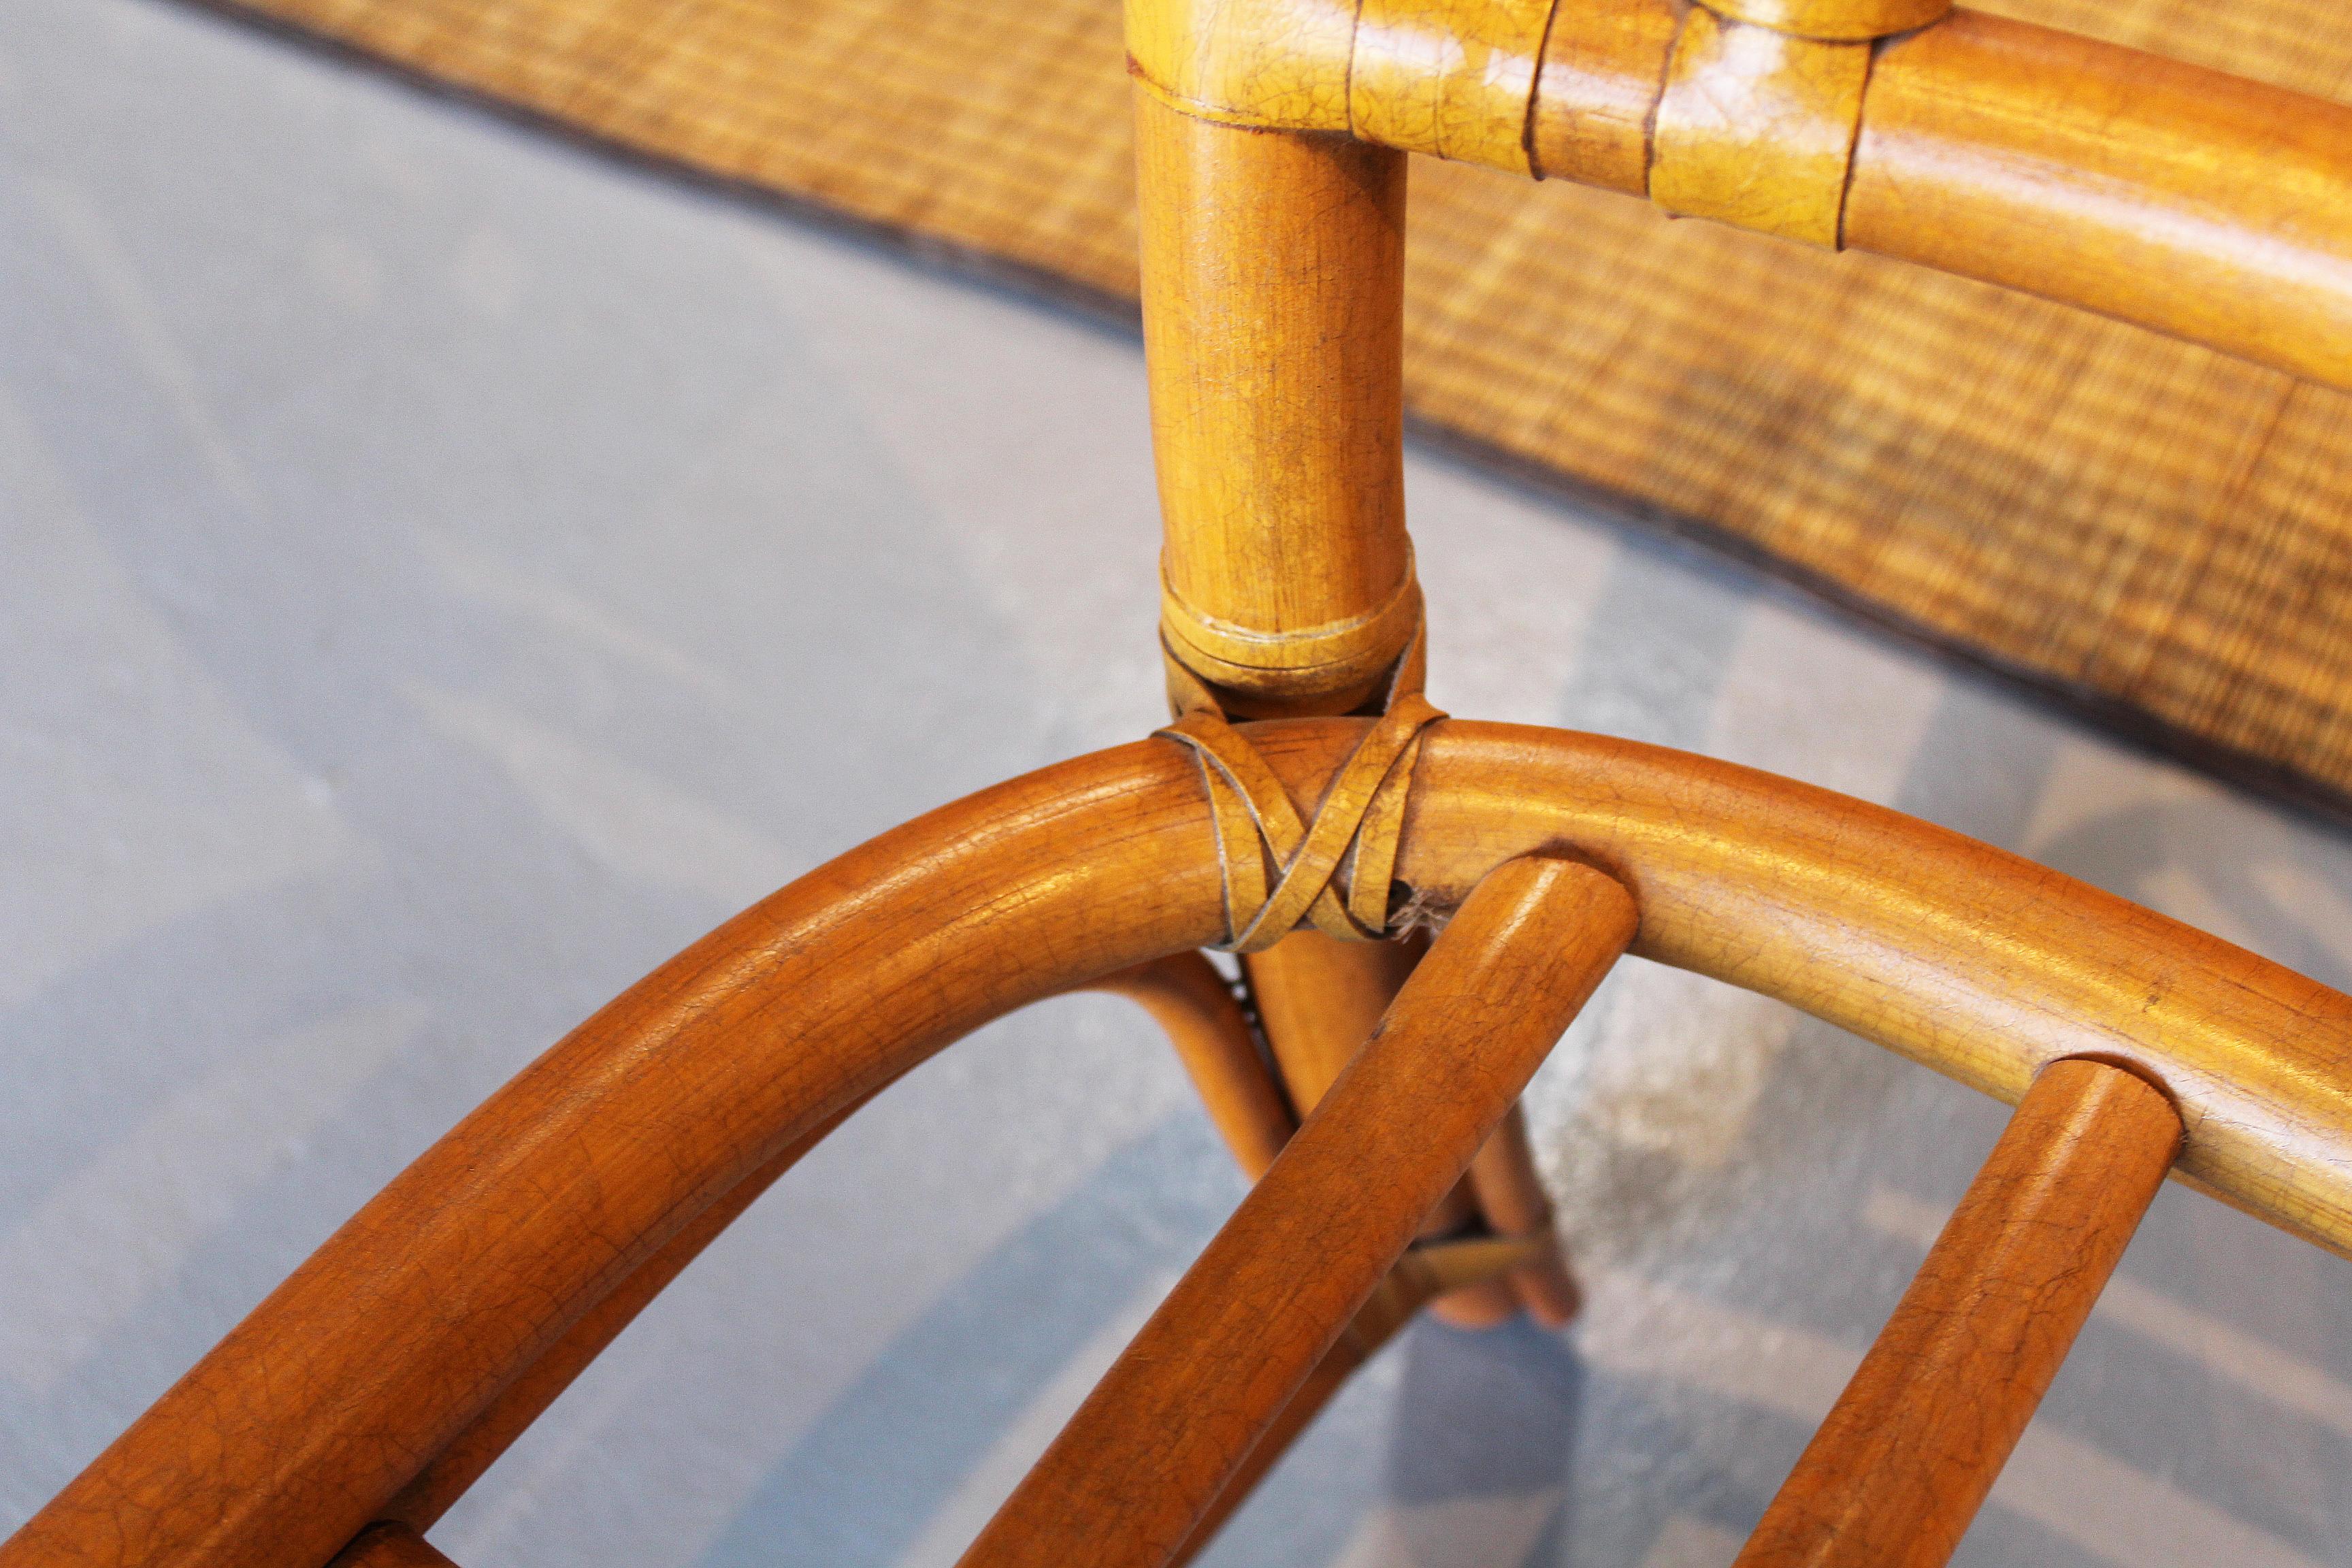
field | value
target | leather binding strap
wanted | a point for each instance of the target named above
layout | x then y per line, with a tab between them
1278	869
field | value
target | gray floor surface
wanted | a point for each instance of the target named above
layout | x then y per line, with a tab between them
442	572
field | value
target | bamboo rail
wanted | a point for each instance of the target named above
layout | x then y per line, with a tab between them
304	1423
1913	1445
2198	204
366	1393
1128	1477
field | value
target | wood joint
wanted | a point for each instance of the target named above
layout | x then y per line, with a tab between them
1453	78
1757	128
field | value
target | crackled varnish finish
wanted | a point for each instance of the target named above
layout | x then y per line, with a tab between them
1898	1470
366	1393
302	1425
1137	1466
2202	204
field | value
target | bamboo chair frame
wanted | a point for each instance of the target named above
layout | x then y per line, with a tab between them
359	1400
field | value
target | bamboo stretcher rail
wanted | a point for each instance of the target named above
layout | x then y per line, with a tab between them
1125	1483
2200	205
1913	1445
407	1325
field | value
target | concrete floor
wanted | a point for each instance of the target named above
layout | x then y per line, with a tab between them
443	571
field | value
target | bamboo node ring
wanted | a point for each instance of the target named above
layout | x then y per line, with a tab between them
1277	869
1247	657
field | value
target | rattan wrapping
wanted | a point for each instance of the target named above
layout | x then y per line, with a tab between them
2134	523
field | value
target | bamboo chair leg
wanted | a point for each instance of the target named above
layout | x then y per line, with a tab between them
1147	1455
1895	1475
1319	1000
1191	1002
389	1545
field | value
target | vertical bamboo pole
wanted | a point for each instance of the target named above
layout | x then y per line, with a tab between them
1273	331
1914	1444
1274	327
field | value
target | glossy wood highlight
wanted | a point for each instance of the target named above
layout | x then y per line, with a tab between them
1273	329
1757	127
1150	1449
1907	1456
2205	205
1450	77
1850	20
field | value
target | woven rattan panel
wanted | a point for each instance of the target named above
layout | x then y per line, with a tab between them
2134	523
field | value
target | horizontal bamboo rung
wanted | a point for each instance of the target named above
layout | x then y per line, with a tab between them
1449	78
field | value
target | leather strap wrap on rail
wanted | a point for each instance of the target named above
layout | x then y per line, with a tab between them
1279	870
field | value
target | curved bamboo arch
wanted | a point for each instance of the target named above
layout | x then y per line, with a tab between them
391	1341
384	1347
